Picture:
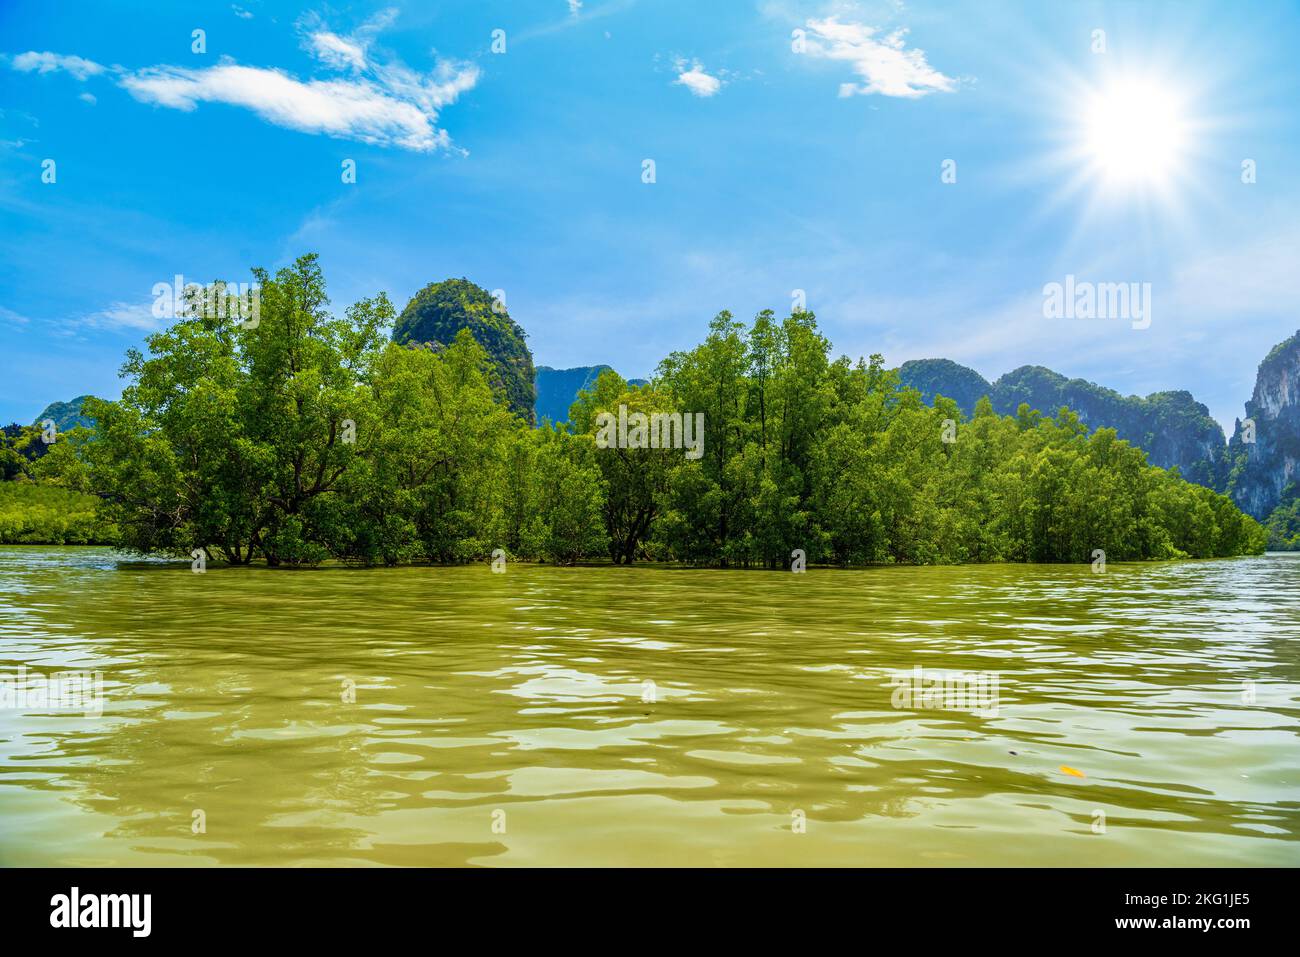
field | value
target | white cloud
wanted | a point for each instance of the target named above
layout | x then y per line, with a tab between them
382	101
88	98
53	62
885	64
8	315
696	80
575	6
358	109
241	12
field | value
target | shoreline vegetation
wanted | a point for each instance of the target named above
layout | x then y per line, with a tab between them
309	439
138	560
45	514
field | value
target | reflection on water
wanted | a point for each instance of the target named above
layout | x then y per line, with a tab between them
651	716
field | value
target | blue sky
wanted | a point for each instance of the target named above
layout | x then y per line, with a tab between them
783	161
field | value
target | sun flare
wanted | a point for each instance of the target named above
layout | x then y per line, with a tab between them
1135	132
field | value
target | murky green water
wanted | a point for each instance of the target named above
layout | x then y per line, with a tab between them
503	719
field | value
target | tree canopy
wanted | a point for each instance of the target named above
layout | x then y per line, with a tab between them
312	436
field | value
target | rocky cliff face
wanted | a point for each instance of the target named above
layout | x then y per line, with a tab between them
1171	427
557	389
1265	473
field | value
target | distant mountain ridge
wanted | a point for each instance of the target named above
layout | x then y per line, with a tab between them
1259	468
1172	427
557	389
67	415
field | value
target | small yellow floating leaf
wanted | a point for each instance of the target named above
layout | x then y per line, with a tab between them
1066	769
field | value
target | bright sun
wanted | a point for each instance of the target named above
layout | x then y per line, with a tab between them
1135	133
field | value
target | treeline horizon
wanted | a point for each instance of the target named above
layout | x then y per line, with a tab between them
313	438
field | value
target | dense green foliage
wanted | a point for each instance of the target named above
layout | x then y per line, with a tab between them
312	437
1284	524
19	447
34	514
43	487
807	453
437	314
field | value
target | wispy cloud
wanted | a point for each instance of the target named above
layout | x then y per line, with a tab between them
380	101
13	318
125	315
47	62
338	52
343	51
695	79
1255	278
579	17
347	109
884	63
241	12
